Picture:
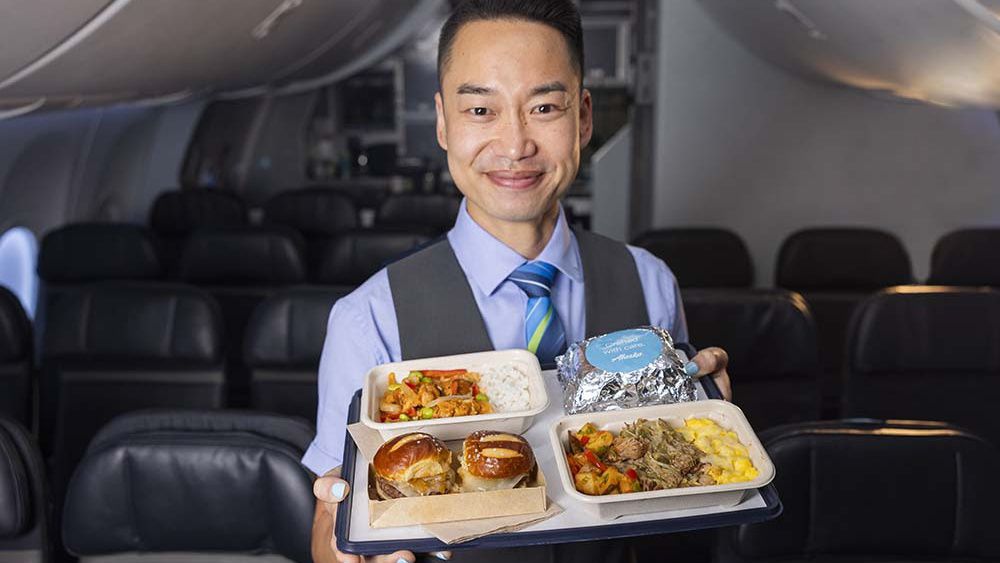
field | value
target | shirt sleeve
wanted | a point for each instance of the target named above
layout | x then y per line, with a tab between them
350	350
663	296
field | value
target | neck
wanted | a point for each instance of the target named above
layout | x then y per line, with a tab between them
527	238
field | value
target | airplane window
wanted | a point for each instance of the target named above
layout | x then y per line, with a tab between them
18	254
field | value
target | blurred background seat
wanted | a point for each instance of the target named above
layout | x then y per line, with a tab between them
117	347
23	497
701	257
771	341
16	374
351	258
176	485
178	213
874	492
423	213
966	257
240	267
929	353
834	269
284	341
316	213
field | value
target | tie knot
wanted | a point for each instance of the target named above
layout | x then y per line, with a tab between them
534	278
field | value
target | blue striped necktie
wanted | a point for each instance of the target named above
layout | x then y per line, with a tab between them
542	329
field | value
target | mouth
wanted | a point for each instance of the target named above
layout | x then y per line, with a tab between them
517	180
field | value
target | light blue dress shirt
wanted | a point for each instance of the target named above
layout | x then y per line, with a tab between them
362	333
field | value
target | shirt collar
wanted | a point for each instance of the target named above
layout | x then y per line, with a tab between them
487	261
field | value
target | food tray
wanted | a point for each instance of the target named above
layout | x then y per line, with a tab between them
457	428
608	507
573	525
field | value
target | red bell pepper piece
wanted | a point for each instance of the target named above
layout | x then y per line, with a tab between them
443	372
584	440
632	474
592	458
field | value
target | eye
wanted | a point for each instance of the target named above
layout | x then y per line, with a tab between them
546	108
480	111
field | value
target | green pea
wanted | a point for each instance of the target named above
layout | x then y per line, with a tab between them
426	412
482	398
404	417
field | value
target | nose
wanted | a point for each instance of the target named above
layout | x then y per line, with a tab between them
514	140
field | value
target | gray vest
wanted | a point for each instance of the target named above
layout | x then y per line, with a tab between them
437	314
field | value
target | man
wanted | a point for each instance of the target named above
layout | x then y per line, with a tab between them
512	116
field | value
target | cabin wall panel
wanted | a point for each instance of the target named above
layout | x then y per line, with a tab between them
745	145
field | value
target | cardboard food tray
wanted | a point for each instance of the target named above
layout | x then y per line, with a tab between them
354	535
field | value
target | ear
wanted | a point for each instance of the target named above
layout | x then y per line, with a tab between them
586	118
442	127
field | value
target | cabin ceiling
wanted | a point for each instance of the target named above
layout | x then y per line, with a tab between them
944	52
90	52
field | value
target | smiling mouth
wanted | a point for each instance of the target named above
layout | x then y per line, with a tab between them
515	180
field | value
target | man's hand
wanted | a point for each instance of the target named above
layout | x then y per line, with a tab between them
713	362
329	491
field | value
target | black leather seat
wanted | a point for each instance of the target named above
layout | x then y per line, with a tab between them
966	257
176	214
351	258
316	213
927	352
15	360
283	346
423	213
834	269
173	485
701	257
771	341
241	268
23	497
117	347
873	492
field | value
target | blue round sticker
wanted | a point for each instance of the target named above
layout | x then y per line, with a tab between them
625	350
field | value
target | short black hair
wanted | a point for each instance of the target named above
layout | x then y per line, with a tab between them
561	15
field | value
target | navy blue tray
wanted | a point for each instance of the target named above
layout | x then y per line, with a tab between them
769	494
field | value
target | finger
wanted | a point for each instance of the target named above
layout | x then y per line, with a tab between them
398	557
346	557
709	360
330	489
722	381
442	555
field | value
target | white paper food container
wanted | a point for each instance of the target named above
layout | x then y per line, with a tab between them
455	428
727	415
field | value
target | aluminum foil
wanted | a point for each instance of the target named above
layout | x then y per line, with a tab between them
629	368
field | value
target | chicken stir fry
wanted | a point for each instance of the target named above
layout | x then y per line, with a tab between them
432	394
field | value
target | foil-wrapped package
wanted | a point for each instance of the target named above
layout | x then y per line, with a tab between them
629	368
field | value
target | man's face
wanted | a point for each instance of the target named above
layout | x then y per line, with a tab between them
512	117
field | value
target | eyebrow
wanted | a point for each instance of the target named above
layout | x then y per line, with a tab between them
475	90
548	88
543	89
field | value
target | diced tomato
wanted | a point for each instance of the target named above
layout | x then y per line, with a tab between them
593	459
584	440
632	474
410	384
475	389
411	412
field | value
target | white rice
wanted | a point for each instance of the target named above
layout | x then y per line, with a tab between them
506	386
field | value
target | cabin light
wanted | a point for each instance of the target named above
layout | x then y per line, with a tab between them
264	28
813	30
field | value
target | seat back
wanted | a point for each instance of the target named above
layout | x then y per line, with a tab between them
701	257
23	497
314	212
876	491
15	359
241	267
85	252
176	214
351	258
771	341
117	347
927	352
283	346
966	257
430	214
193	485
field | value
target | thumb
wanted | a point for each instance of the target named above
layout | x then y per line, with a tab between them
330	489
709	360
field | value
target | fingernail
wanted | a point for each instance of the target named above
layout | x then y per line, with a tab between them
691	369
338	490
441	556
402	560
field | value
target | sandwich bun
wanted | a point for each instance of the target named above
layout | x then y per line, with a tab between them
414	464
495	460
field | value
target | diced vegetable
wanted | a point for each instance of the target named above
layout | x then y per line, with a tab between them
588	428
393	386
632	474
404	417
584	440
444	372
426	379
593	459
426	413
482	398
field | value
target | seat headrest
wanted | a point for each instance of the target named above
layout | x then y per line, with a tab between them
438	212
926	329
351	258
701	257
179	212
288	329
98	251
15	329
767	333
312	211
122	322
869	489
966	257
242	257
203	481
842	259
16	498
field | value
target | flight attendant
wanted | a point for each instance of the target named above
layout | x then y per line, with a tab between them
513	116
